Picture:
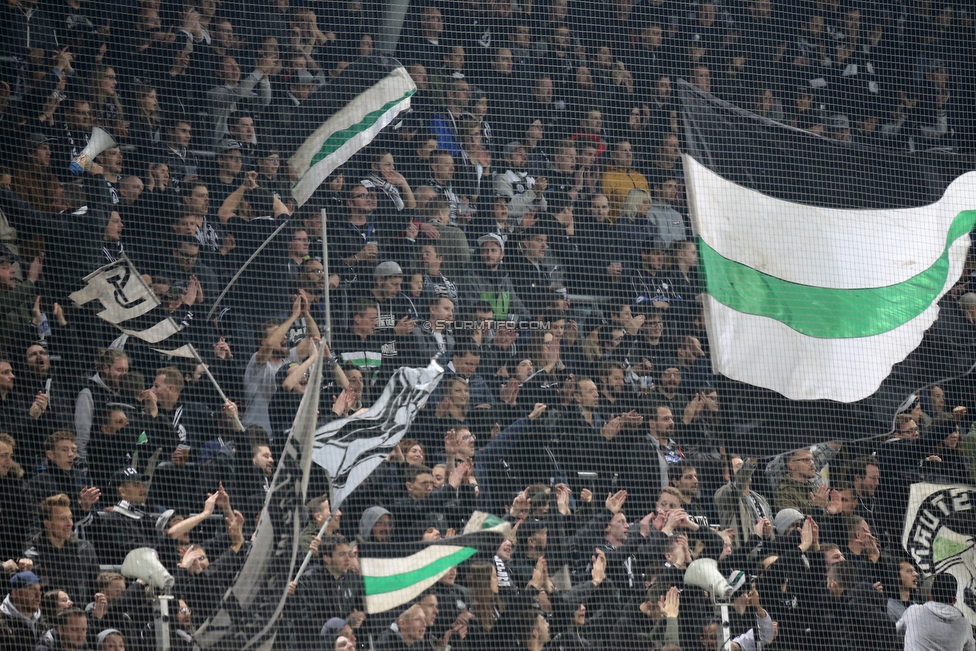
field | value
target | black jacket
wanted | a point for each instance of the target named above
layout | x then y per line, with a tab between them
318	598
16	517
121	530
73	568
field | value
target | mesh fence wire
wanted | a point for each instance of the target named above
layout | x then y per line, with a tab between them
695	275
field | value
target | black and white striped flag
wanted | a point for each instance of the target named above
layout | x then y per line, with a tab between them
351	448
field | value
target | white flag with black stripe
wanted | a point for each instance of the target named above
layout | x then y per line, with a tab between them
351	448
125	297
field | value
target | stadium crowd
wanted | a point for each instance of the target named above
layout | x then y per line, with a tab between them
540	160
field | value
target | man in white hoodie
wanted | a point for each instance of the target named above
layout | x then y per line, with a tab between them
937	625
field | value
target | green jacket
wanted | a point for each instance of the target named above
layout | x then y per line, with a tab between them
793	494
15	306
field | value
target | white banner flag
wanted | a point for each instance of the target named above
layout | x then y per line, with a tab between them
183	351
120	289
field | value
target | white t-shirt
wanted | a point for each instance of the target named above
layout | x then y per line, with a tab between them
260	387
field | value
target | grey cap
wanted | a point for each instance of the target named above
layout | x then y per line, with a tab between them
785	518
333	626
304	77
838	121
100	638
492	237
38	138
226	145
512	146
162	522
387	269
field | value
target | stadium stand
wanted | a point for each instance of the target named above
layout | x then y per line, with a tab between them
528	223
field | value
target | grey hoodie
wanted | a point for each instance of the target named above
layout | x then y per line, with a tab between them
369	518
935	626
10	610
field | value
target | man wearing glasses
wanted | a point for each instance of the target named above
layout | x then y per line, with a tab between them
903	460
185	268
797	488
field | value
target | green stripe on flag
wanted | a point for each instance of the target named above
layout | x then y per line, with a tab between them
336	140
381	584
825	312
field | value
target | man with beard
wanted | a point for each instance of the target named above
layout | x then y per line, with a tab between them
615	399
259	377
660	427
396	311
867	476
523	192
20	613
77	128
668	387
253	479
684	476
38	374
490	281
101	389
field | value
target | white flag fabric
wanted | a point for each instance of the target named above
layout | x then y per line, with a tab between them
251	608
183	351
820	303
121	291
350	448
126	296
349	129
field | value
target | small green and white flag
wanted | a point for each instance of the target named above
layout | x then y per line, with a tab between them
383	89
820	303
395	574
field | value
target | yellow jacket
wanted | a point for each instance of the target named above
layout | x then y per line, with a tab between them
617	183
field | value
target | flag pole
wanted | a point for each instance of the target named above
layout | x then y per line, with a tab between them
244	266
325	270
196	356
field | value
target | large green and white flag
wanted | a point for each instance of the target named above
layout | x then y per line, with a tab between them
377	90
815	302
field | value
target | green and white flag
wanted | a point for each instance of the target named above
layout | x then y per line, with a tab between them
820	303
394	574
381	89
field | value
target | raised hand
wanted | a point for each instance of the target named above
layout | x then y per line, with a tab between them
611	428
509	392
537	411
562	498
599	571
87	497
616	501
404	326
669	603
39	406
821	497
451	445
